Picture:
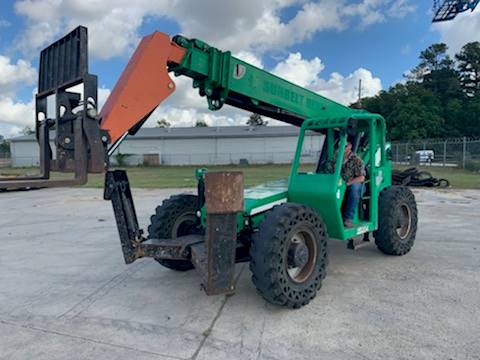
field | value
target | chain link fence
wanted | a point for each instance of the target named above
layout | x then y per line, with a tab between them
5	160
457	152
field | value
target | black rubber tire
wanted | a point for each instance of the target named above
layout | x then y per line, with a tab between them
163	221
391	201
268	254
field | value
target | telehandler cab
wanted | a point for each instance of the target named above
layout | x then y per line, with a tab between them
281	227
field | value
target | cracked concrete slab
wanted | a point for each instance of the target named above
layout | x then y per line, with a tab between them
66	293
24	342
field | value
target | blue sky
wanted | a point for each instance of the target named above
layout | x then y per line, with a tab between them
326	45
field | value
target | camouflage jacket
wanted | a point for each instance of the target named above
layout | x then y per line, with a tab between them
352	167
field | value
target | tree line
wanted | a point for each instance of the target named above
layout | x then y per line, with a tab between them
253	120
164	123
440	97
4	147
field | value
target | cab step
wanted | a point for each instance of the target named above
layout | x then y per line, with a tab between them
357	243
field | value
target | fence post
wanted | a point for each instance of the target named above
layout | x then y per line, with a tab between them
464	151
406	153
397	154
444	153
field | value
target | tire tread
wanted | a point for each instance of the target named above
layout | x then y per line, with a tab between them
161	223
386	237
267	261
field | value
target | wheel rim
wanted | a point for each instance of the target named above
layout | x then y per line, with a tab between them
301	255
185	224
404	222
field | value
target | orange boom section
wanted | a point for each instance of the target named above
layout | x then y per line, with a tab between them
143	85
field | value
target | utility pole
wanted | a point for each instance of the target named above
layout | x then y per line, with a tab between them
359	101
359	90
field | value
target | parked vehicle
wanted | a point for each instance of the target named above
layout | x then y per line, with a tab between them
425	156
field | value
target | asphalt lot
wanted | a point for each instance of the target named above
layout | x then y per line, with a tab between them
65	292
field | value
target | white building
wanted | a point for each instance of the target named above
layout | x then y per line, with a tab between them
194	146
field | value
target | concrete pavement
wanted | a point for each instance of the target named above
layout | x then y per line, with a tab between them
65	292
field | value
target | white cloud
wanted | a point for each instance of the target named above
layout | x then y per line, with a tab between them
188	117
343	89
185	106
185	96
14	75
14	113
9	131
250	25
401	8
377	11
299	71
113	25
247	25
250	58
102	96
459	31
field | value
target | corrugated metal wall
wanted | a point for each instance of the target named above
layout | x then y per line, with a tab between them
192	151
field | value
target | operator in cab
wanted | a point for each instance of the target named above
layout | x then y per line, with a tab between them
353	173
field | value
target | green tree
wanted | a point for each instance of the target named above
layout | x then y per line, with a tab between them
469	68
437	71
163	123
121	159
416	114
27	130
445	83
433	101
411	111
4	146
201	123
435	58
454	113
256	120
468	123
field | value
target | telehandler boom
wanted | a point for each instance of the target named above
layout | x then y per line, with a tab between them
280	227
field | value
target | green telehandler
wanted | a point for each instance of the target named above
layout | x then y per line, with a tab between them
280	227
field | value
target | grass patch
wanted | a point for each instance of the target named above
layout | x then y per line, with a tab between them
174	176
184	176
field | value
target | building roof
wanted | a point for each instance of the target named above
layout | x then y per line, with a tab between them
199	133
